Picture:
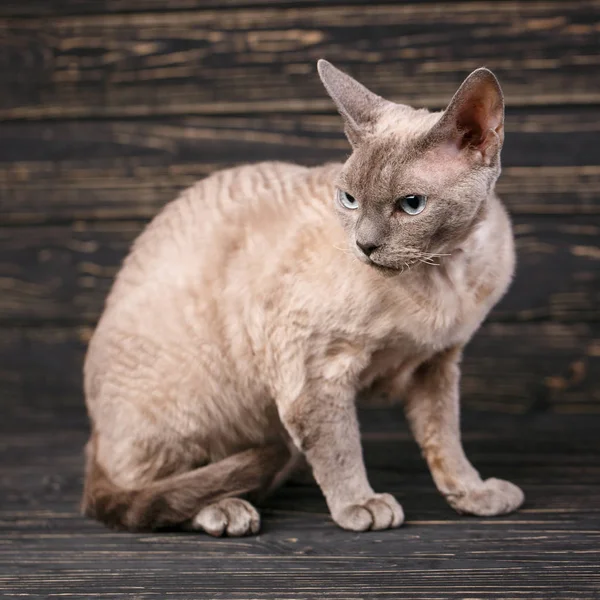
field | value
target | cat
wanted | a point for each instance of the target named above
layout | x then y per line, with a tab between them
255	306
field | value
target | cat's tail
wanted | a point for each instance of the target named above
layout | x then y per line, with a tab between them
177	499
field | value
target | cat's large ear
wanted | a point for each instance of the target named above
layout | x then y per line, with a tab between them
474	119
358	106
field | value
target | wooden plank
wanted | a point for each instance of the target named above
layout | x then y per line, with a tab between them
263	59
63	273
36	8
509	367
117	573
58	171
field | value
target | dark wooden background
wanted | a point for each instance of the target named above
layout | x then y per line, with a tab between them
109	107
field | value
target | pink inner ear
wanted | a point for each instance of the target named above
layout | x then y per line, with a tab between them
471	124
476	118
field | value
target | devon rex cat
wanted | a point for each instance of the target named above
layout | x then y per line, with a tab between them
255	306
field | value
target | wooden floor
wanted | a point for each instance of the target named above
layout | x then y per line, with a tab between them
548	550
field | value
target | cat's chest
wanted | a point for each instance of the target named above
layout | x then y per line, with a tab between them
426	320
443	308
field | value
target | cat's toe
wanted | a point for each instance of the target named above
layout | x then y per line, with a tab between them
242	517
386	512
232	516
354	518
211	519
381	511
493	497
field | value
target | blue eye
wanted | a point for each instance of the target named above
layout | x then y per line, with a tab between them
413	204
347	201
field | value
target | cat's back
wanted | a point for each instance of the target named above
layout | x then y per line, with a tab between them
215	250
232	211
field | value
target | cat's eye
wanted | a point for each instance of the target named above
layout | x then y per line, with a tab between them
347	201
413	204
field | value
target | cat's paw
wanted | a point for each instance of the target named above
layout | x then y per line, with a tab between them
232	516
380	511
492	497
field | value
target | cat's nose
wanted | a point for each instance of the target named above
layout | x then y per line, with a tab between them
367	248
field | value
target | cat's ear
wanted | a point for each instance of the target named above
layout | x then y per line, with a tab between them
358	106
474	119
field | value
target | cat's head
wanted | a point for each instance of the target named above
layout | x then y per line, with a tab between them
416	182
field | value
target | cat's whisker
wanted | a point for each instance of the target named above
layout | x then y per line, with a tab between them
346	250
408	265
433	255
428	261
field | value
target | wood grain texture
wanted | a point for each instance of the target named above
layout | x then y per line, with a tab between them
508	368
63	273
61	171
37	8
263	59
547	551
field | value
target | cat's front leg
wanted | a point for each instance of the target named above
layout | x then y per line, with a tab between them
324	426
432	409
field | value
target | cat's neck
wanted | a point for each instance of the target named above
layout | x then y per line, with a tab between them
489	240
483	262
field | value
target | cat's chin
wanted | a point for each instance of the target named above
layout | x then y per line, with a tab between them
388	270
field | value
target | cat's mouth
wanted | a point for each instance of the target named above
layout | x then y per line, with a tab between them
395	267
399	263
